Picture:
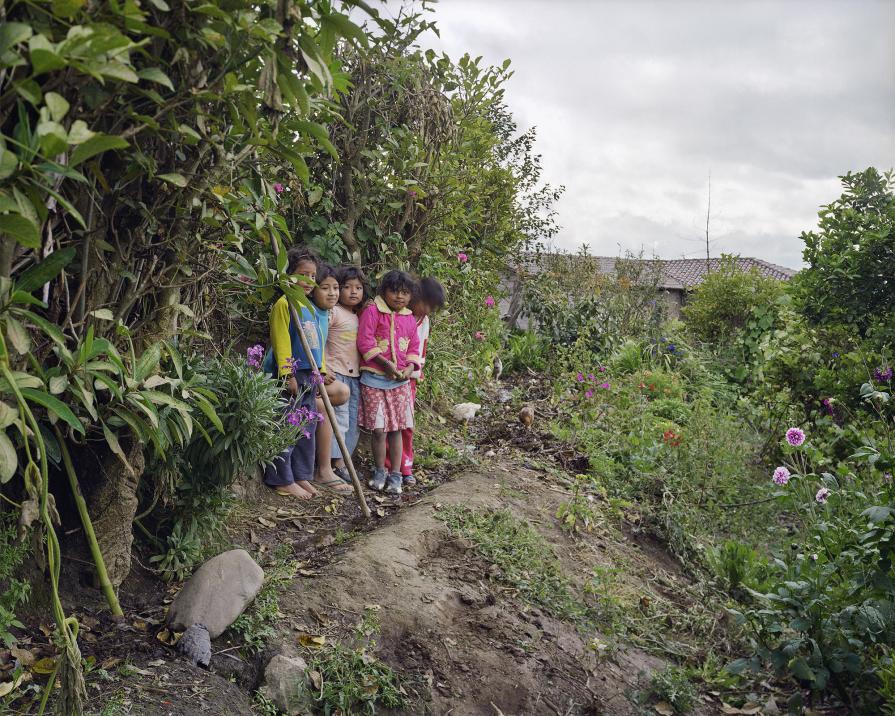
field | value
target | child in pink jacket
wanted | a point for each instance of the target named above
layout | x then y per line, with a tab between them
390	352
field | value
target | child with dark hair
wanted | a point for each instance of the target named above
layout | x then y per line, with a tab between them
344	359
292	470
388	343
429	298
325	296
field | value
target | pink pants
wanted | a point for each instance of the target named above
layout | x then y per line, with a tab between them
407	444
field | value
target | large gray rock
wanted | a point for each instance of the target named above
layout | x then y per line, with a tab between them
217	593
286	684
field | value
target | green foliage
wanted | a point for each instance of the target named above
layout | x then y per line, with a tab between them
672	685
524	560
354	681
736	566
15	592
724	303
578	514
850	256
526	350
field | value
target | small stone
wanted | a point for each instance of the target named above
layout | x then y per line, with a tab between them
286	685
504	396
490	453
217	593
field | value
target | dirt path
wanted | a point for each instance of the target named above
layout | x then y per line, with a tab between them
446	620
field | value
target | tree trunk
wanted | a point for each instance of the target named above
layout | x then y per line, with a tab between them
112	505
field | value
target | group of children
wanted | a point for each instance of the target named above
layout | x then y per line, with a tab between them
370	356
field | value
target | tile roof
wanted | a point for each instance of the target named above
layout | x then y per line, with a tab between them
679	274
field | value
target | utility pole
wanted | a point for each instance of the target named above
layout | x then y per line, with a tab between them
708	213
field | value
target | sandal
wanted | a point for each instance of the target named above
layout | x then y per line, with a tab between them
334	486
342	472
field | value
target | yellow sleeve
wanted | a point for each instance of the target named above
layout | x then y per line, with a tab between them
279	335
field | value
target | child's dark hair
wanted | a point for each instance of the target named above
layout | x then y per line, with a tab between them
325	271
351	272
397	281
431	292
297	254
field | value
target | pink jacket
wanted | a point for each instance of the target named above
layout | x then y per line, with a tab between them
382	332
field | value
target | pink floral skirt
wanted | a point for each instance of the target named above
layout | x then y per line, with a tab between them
387	410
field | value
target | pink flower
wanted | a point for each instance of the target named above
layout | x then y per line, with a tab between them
781	476
462	258
591	377
479	336
822	495
580	377
279	188
489	302
605	386
795	436
589	394
602	368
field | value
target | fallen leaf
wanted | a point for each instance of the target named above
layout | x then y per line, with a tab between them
379	498
663	709
140	624
267	523
45	630
24	657
373	607
770	706
747	709
165	636
110	663
157	662
44	666
311	641
253	538
308	572
7	687
380	512
89	637
317	679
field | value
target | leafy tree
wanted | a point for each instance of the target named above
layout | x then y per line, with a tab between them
850	279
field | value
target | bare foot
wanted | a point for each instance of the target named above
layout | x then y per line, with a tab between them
307	487
293	490
328	480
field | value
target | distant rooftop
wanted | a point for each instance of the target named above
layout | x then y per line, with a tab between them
679	274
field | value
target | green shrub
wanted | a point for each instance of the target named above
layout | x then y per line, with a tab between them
525	351
672	685
723	303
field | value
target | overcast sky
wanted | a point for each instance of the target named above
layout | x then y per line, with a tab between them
636	102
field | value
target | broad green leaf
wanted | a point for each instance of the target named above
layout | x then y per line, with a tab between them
48	269
318	131
57	104
209	412
118	71
22	380
58	384
9	461
21	229
17	335
67	8
9	162
345	27
79	132
30	91
154	74
54	405
8	415
175	179
12	33
103	314
53	138
44	57
160	5
51	330
95	145
148	362
159	398
112	440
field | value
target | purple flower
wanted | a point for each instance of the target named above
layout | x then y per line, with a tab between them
316	378
795	436
462	258
813	557
293	417
671	348
883	375
605	386
479	336
279	188
781	475
254	356
580	377
489	302
591	377
835	354
602	368
588	394
822	495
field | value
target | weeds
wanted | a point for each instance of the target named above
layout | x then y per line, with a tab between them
263	706
578	514
256	625
354	681
524	561
15	592
672	686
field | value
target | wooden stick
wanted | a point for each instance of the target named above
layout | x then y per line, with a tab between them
327	404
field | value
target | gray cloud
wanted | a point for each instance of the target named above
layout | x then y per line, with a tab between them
636	102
